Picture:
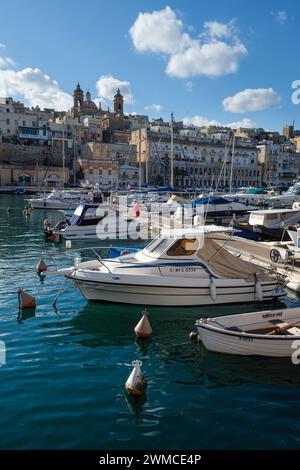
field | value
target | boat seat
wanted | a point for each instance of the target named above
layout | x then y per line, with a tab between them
235	328
293	330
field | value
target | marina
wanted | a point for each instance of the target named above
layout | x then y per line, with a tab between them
86	350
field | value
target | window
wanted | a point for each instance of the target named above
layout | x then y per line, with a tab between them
16	122
183	247
7	122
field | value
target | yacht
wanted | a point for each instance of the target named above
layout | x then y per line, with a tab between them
96	221
60	199
177	268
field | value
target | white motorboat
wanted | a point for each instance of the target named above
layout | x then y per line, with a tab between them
268	333
287	199
254	196
60	200
177	268
91	221
218	207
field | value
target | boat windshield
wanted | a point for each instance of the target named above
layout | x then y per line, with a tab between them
77	214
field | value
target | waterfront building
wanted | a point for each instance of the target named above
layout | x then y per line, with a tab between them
198	159
280	163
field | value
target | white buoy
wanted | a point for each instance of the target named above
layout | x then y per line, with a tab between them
26	300
213	290
47	223
136	383
68	244
143	328
41	266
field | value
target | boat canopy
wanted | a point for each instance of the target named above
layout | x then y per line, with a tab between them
215	200
224	264
88	214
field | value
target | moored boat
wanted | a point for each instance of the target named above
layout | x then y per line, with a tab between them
266	333
179	267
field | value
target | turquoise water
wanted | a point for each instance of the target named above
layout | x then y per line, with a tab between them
62	386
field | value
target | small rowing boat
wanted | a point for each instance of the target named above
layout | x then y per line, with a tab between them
274	333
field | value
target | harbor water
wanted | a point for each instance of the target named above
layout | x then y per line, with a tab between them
62	386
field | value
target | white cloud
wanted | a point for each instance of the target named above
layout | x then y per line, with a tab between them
162	32
220	30
280	17
2	46
251	99
200	121
189	86
213	59
107	86
36	88
6	62
154	107
159	31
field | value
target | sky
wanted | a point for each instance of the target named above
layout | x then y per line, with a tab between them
230	63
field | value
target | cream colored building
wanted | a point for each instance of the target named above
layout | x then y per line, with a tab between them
103	163
280	163
197	159
23	175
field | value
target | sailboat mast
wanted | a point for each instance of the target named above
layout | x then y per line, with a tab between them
172	153
232	161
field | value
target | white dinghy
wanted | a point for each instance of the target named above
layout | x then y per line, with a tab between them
266	333
180	267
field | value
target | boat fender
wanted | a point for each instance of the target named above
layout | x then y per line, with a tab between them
258	291
124	252
213	290
136	383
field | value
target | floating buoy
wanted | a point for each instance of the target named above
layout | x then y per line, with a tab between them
213	290
136	383
143	328
26	300
68	244
41	266
47	223
193	336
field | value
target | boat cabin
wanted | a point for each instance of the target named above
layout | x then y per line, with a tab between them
89	214
274	218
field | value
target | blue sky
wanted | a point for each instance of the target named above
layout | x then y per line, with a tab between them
168	59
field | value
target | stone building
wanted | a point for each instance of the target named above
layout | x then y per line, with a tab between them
198	160
280	163
109	164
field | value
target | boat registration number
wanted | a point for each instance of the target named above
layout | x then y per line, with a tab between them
183	270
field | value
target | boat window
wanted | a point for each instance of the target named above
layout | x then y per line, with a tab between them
183	247
76	216
153	243
161	247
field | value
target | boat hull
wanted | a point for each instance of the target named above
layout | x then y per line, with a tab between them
228	343
172	295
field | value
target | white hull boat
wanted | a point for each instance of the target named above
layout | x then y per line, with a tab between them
175	270
60	200
92	221
267	333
